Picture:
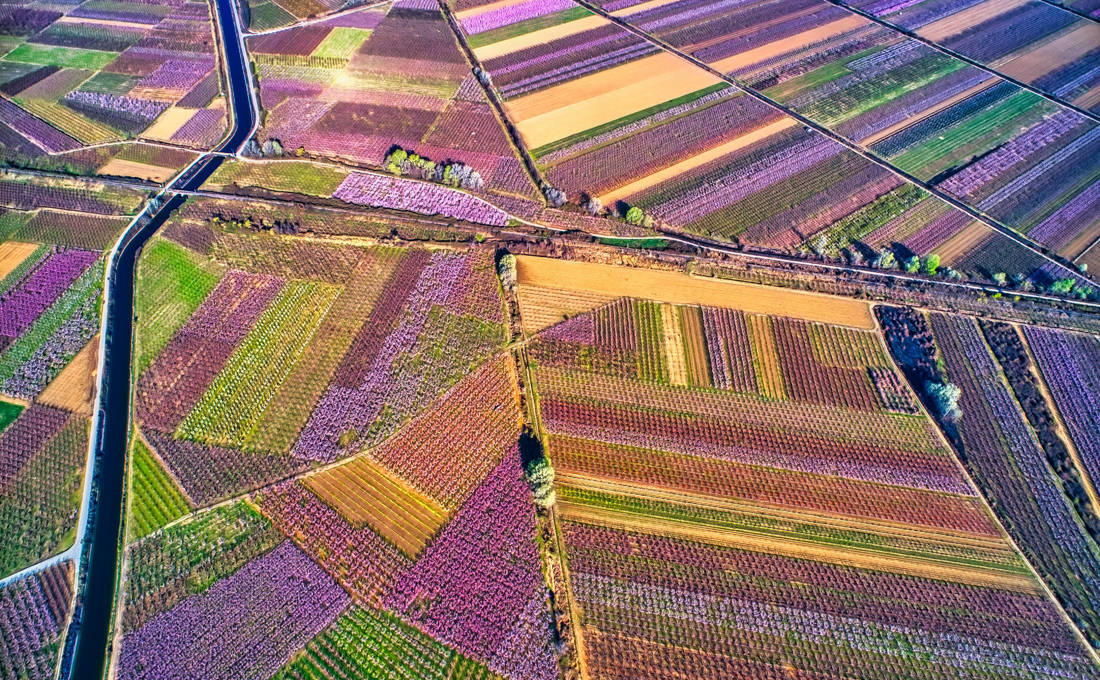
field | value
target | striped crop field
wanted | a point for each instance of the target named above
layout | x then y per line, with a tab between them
786	511
616	121
1025	160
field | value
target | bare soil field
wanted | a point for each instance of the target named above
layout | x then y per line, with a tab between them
74	388
778	47
581	104
971	16
680	288
12	253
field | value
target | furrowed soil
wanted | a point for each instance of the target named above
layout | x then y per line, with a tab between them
681	288
542	307
802	550
123	168
74	388
972	16
12	253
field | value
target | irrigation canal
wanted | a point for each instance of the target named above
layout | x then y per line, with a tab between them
85	655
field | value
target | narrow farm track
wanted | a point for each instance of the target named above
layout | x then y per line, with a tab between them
962	57
992	223
690	240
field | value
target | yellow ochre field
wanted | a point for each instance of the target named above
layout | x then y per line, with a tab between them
681	288
12	253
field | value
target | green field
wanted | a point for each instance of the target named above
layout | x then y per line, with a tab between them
230	410
294	177
8	413
341	43
172	282
155	499
64	57
375	644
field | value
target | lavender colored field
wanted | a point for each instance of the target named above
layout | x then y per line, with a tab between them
33	613
1069	362
401	194
245	626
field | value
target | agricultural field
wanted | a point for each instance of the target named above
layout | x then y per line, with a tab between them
34	615
302	179
367	337
616	123
410	550
51	279
1007	152
750	495
92	73
1005	431
1049	48
269	15
365	83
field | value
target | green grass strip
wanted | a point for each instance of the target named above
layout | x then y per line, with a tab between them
626	120
156	500
229	412
172	282
364	643
64	57
294	177
341	43
70	302
649	243
8	413
524	27
966	131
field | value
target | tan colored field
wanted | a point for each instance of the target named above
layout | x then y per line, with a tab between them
695	161
481	9
539	37
1089	99
562	110
74	388
1090	257
698	367
673	345
852	557
962	243
1082	37
168	122
541	307
12	253
794	42
971	16
103	22
365	492
642	7
1082	241
924	113
122	168
680	288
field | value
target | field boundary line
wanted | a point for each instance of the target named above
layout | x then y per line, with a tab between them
913	35
796	549
993	224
